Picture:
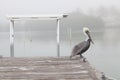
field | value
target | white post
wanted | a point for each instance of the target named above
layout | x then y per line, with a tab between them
58	37
11	38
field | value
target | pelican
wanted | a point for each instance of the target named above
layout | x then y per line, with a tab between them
80	48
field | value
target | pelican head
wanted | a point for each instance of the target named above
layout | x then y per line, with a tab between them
86	31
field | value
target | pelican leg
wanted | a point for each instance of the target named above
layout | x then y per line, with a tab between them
70	57
81	56
84	59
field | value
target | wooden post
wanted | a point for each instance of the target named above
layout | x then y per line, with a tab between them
11	38
58	37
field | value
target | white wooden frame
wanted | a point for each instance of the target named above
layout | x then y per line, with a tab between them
56	17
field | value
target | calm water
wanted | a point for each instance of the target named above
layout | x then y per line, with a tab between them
104	54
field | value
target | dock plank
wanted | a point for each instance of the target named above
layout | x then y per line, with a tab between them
45	68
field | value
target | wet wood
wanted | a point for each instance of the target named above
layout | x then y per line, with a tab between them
45	68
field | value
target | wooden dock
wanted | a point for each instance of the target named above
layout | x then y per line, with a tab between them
47	68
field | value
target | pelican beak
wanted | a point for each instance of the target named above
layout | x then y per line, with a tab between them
92	41
88	33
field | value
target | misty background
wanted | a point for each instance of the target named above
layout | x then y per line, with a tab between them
38	38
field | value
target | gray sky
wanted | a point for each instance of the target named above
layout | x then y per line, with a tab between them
52	6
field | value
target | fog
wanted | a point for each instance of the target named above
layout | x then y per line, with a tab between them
38	38
103	19
96	14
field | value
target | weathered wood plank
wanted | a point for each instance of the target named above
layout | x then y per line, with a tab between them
47	68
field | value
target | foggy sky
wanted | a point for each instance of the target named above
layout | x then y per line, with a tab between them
24	7
51	6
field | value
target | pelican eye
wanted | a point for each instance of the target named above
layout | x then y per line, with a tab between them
87	31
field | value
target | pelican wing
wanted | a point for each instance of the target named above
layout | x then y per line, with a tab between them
78	48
